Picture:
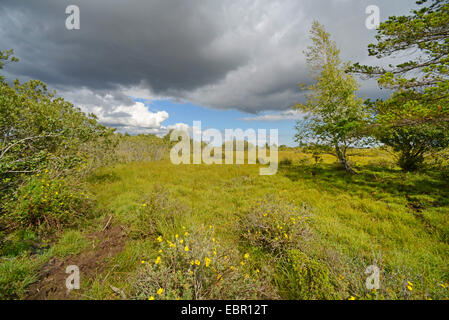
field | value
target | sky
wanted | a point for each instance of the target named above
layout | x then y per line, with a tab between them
150	66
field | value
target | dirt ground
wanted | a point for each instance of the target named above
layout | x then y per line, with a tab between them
91	262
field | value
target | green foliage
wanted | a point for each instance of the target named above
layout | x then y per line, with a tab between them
141	148
414	119
15	275
285	162
157	214
336	116
303	278
275	225
46	205
71	243
194	266
39	130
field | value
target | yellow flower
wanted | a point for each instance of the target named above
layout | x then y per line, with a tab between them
182	241
351	298
246	255
242	263
160	251
186	248
144	205
410	288
176	236
207	261
186	234
151	298
143	262
160	291
257	270
159	239
197	262
192	263
219	277
158	260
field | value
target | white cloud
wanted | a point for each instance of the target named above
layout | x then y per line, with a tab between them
137	115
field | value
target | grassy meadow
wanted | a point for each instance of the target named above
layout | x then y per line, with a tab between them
225	232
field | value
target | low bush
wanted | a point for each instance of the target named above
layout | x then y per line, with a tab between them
275	225
45	205
195	266
285	162
157	214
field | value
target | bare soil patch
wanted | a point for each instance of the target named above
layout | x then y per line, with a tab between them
91	262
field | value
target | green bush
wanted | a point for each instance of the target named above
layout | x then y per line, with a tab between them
195	266
285	162
275	225
157	214
303	278
46	205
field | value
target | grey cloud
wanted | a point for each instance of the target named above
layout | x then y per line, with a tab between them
238	54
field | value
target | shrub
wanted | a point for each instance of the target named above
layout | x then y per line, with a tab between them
285	162
195	266
303	278
275	225
157	214
141	148
46	205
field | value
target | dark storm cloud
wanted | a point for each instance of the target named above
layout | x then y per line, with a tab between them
239	54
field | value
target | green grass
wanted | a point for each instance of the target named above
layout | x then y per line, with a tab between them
381	216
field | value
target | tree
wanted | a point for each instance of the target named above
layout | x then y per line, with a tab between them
39	131
414	119
335	115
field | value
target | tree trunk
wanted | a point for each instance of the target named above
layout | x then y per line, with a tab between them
341	155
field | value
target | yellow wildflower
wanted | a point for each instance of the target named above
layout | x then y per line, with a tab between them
207	261
197	262
158	260
151	298
160	291
186	248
